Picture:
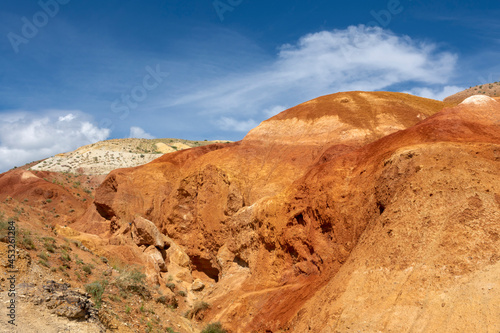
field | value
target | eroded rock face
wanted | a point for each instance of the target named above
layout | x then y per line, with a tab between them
323	198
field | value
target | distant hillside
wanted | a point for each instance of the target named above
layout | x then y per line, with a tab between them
488	89
102	157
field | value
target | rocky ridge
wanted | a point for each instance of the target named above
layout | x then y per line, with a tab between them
486	89
102	157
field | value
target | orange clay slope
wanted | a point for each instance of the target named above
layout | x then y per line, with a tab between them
401	235
350	183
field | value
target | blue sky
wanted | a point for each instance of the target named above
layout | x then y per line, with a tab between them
73	72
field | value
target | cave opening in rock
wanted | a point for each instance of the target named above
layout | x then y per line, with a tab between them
205	266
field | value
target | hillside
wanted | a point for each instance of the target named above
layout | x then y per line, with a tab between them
102	157
352	212
487	89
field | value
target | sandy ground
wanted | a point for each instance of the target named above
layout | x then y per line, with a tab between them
44	321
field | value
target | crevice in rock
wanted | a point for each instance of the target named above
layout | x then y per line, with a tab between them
240	262
104	210
326	228
381	207
300	219
205	266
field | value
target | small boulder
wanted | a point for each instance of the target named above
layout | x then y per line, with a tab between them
145	232
176	254
154	255
197	285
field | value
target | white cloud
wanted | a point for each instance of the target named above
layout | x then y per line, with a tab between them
68	117
231	124
274	110
29	136
356	58
139	133
436	93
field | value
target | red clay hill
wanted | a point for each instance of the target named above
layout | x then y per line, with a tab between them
358	211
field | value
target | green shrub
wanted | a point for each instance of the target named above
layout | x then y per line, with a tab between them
4	229
49	244
170	330
43	256
168	301
132	280
214	328
197	308
170	286
65	256
27	242
44	262
182	293
87	269
96	290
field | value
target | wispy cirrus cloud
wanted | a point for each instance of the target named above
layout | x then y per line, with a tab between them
356	58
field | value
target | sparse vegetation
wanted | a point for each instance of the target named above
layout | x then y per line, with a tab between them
132	280
44	263
168	301
43	256
65	256
171	330
96	290
197	308
214	328
49	244
27	242
87	269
